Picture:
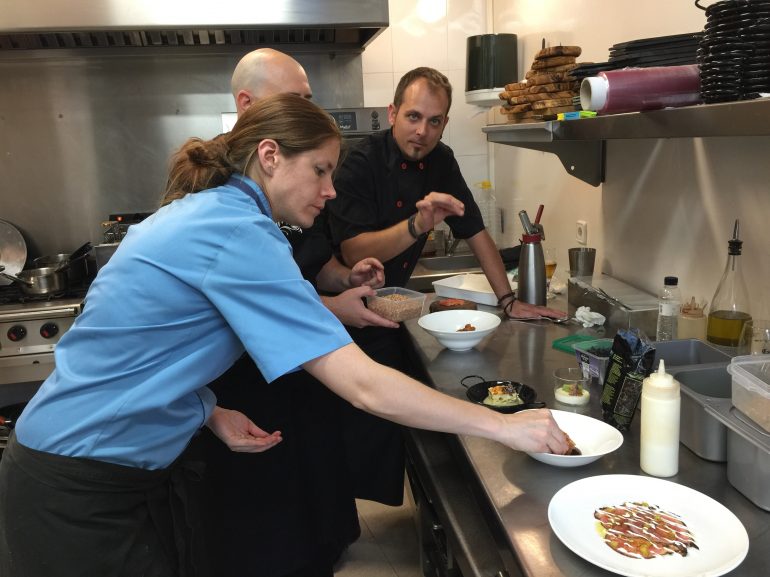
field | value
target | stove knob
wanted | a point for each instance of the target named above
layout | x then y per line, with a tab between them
16	333
49	330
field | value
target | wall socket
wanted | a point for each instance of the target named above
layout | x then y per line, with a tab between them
581	232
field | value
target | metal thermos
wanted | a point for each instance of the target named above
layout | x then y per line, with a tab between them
531	270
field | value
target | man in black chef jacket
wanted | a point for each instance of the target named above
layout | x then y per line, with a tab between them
392	188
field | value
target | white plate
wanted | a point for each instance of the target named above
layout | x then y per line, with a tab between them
470	286
721	538
593	437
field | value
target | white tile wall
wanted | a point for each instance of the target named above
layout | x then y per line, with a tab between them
433	33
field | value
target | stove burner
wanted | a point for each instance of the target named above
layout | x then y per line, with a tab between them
12	294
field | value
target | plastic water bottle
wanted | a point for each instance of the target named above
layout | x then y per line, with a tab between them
669	303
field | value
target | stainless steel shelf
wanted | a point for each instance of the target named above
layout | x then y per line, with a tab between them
579	144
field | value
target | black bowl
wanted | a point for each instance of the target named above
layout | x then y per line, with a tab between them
478	392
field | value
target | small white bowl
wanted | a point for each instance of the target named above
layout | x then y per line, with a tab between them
593	437
445	325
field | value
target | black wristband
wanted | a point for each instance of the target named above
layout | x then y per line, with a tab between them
410	226
505	296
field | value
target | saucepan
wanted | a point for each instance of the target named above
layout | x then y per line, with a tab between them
47	280
73	264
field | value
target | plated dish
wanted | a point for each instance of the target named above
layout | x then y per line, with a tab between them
479	393
593	437
721	539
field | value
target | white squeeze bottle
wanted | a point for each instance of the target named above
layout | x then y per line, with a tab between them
659	453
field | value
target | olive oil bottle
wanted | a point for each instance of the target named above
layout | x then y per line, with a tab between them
730	305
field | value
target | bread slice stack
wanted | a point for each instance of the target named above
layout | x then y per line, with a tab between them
548	88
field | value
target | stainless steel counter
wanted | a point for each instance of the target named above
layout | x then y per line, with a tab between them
514	490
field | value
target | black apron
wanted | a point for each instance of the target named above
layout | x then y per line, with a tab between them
288	510
70	517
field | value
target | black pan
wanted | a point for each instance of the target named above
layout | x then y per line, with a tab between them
479	391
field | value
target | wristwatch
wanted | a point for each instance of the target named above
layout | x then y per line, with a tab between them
412	229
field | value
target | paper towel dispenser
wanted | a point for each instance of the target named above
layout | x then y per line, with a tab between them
491	63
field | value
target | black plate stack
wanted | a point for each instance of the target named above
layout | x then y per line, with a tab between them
734	54
675	50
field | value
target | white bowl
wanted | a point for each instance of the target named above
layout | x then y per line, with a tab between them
445	325
593	437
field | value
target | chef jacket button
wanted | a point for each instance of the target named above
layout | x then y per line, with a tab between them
399	204
421	165
405	265
403	166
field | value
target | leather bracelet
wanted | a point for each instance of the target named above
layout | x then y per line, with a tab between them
509	304
411	227
505	296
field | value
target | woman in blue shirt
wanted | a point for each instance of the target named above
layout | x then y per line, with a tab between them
86	484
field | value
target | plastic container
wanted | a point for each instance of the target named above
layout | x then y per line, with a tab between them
669	303
396	304
485	198
692	321
660	412
751	387
594	356
635	89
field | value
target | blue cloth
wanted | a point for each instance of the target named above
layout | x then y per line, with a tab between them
185	292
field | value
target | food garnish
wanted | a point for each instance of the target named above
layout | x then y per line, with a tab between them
643	531
467	328
572	448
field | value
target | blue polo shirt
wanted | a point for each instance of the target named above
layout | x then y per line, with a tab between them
187	290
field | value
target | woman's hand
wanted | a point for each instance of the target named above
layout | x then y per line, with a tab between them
367	272
240	434
534	431
351	311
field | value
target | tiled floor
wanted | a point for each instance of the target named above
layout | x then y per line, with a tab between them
388	543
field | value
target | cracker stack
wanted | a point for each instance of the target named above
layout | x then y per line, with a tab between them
548	87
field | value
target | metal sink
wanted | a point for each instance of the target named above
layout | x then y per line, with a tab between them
433	268
454	262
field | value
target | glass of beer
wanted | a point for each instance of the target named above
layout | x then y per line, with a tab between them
550	268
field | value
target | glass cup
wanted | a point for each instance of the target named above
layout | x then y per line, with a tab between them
571	386
755	337
550	268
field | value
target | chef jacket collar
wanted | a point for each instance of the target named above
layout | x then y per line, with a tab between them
396	160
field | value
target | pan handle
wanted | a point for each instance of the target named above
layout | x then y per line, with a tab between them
14	278
462	381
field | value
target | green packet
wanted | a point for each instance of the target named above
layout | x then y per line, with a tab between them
630	362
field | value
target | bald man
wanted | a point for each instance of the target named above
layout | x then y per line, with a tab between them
265	72
298	492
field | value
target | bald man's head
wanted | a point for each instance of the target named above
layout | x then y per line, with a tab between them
265	72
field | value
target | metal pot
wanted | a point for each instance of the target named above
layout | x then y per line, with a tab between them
46	280
76	271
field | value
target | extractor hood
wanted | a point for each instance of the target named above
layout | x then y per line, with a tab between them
329	25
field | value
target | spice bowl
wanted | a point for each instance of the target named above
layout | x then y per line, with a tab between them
459	330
